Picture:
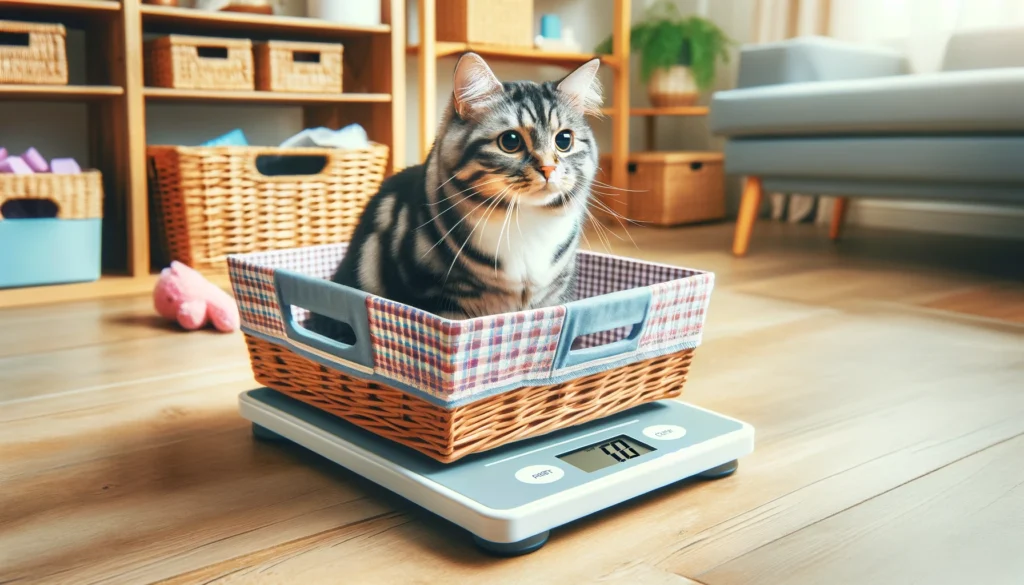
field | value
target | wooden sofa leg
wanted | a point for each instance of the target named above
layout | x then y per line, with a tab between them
838	213
749	207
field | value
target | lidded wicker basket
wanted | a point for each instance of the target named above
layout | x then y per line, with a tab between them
33	53
189	62
448	389
299	67
211	202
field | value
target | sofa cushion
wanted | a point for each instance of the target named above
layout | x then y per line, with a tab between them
967	159
985	49
955	101
815	58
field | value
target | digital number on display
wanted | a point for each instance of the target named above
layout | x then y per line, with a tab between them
606	453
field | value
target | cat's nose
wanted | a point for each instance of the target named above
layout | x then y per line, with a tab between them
547	170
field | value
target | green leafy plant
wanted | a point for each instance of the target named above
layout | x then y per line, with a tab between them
667	38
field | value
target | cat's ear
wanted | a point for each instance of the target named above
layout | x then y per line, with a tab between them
475	85
583	89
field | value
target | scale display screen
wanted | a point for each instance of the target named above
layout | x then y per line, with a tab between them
605	454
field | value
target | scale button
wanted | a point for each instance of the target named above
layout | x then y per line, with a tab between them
539	474
664	432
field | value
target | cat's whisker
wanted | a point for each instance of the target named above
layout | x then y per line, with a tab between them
470	188
493	203
619	216
451	230
602	184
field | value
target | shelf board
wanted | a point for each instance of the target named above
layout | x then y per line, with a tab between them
514	54
64	6
163	94
190	20
105	287
673	111
15	92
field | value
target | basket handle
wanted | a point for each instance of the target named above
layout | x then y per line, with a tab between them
332	300
327	161
603	313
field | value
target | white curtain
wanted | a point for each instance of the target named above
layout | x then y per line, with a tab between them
919	28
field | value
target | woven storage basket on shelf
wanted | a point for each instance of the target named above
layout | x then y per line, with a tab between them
78	196
51	244
492	22
33	53
188	62
670	188
299	67
452	388
214	201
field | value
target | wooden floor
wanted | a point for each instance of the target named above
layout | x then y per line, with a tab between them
884	376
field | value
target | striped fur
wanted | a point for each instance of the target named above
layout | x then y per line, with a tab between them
476	230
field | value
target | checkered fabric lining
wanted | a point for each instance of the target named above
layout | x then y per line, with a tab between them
600	274
254	290
455	359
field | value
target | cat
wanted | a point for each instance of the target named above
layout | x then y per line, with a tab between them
491	221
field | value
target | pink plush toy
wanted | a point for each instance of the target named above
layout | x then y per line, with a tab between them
185	296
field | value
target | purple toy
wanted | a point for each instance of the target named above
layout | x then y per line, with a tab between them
65	166
3	153
15	164
35	161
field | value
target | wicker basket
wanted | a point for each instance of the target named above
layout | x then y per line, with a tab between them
493	22
671	188
53	248
187	62
33	53
214	201
452	388
298	67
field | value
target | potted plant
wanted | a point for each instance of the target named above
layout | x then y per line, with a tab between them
678	55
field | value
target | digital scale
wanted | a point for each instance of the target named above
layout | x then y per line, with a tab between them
509	498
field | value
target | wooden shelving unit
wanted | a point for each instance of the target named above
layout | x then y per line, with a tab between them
430	50
163	94
117	100
59	93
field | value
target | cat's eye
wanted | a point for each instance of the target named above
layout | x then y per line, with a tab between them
510	141
563	140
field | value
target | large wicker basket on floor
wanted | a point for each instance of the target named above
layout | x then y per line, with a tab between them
189	62
33	53
211	202
452	388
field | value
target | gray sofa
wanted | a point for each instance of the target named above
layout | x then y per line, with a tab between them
819	116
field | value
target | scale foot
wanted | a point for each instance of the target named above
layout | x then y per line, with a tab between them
265	434
513	549
723	470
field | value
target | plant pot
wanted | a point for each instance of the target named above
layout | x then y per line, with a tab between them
672	87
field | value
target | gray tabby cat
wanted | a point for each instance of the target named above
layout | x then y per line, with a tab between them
491	221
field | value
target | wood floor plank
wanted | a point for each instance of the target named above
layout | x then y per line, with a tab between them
43	328
97	366
963	523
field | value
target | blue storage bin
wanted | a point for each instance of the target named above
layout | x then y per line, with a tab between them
61	248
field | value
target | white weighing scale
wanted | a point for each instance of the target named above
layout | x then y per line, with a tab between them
509	498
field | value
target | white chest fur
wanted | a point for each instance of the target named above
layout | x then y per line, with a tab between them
526	245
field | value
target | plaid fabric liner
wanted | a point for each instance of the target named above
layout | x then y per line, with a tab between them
461	358
451	360
600	274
